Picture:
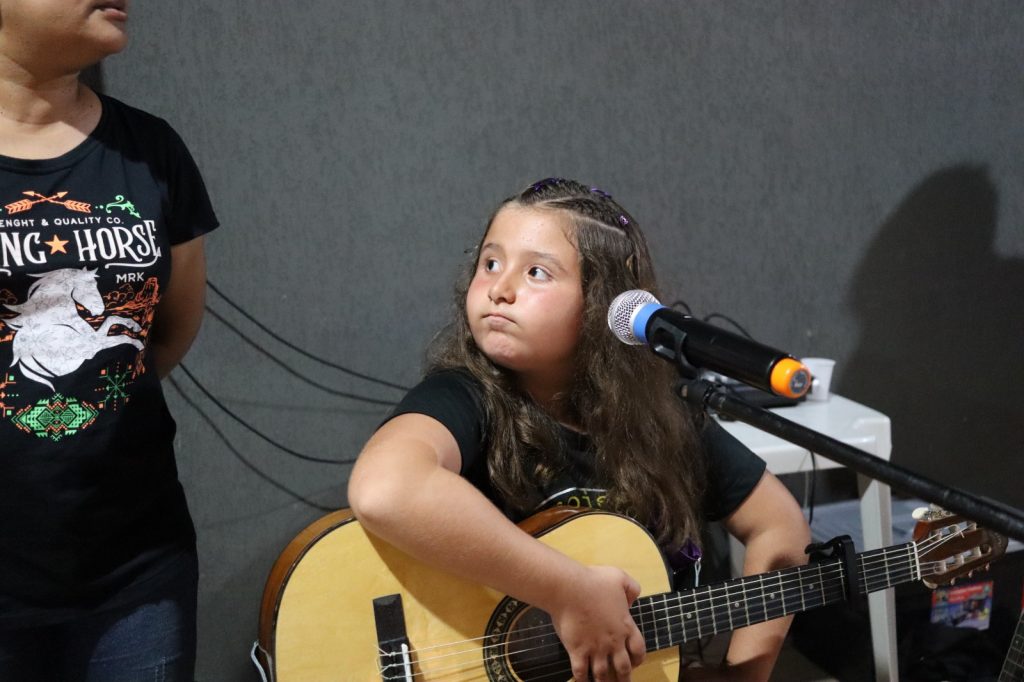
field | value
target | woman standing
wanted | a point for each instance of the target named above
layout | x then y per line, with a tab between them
102	275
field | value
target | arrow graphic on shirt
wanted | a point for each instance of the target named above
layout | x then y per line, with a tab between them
25	204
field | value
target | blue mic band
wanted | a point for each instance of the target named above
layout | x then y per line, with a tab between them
641	317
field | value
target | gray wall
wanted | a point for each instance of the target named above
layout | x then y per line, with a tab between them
843	178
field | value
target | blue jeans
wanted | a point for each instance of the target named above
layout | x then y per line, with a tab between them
150	642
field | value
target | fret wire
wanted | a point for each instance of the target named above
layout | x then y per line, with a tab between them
697	616
670	627
643	620
714	621
716	608
654	619
746	608
728	607
778	576
764	592
672	612
735	602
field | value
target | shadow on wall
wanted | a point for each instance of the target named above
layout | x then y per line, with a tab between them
941	349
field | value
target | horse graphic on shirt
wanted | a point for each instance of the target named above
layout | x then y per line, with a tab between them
51	338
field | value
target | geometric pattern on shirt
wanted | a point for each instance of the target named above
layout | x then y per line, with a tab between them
7	392
56	417
115	385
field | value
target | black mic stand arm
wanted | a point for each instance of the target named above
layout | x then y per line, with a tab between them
706	394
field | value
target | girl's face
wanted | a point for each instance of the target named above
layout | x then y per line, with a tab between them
61	35
525	301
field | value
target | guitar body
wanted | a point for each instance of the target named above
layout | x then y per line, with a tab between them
317	620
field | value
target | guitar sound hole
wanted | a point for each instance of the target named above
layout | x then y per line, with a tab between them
534	652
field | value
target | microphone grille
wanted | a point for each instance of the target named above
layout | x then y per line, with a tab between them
621	313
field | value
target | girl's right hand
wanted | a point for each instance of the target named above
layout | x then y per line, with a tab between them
593	621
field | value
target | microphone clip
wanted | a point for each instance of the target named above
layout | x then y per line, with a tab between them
667	341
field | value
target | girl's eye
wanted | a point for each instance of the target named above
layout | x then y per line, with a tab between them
537	272
490	265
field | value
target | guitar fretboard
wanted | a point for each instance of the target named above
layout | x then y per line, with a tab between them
672	618
1013	667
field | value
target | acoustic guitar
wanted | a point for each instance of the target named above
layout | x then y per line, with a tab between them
342	604
1013	666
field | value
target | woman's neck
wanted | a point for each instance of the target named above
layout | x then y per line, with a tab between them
43	118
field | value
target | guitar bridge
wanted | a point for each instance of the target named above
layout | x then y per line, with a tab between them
393	651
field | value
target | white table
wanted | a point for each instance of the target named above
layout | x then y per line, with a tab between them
863	428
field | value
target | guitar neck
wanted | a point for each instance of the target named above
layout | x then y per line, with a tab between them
1013	667
672	618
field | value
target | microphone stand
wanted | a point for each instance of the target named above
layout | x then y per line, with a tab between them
705	394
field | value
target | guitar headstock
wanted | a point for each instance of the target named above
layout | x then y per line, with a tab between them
949	546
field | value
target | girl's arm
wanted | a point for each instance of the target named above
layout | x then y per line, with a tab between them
405	488
180	311
772	527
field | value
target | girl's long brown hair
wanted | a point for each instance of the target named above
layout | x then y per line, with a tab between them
646	440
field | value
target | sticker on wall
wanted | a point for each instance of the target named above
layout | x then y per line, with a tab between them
966	606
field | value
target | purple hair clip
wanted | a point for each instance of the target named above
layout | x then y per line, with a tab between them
600	192
624	220
546	182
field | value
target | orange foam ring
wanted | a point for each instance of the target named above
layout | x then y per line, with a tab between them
786	378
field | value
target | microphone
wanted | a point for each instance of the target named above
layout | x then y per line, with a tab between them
636	317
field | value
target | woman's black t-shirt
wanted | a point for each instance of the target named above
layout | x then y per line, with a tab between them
91	511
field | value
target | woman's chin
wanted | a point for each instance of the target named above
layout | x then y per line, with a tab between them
114	43
107	36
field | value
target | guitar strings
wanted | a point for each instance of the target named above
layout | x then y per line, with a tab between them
834	576
865	569
698	605
701	604
481	673
548	630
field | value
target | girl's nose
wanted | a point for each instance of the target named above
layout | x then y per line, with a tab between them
502	289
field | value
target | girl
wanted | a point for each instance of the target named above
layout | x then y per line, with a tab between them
531	402
102	275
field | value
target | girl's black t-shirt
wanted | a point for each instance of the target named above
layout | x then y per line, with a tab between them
91	510
453	398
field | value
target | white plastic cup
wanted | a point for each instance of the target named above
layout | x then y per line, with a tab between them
821	376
